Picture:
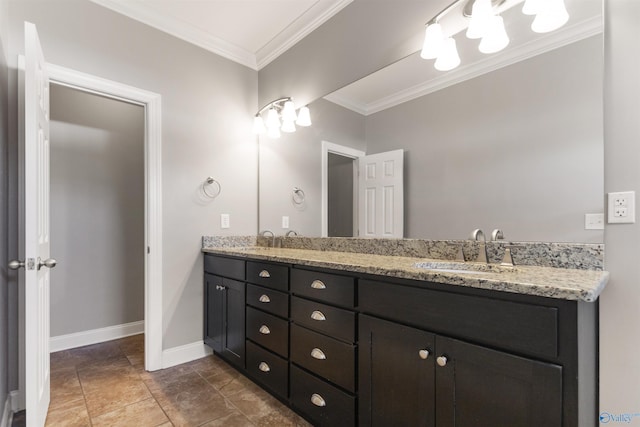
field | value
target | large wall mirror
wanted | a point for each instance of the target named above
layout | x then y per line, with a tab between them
513	141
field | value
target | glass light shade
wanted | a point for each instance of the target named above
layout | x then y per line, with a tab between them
304	117
481	13
449	58
433	41
496	37
273	120
258	125
552	14
289	112
273	132
531	7
288	126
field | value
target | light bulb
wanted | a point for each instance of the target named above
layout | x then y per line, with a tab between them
449	58
496	37
288	126
481	13
433	41
273	120
304	117
258	125
273	132
289	112
552	14
531	7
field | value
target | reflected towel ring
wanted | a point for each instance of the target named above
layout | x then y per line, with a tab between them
208	182
298	196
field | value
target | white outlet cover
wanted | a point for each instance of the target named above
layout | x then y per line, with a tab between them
621	207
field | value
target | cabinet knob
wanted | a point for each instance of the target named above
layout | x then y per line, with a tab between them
264	330
423	354
265	299
317	400
264	273
318	284
264	367
318	315
316	353
442	360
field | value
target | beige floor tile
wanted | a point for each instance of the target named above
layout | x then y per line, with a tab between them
131	345
235	419
109	389
65	387
254	404
70	415
146	413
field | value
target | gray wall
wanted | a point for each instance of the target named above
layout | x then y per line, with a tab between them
97	211
5	344
518	149
340	196
294	160
619	314
207	107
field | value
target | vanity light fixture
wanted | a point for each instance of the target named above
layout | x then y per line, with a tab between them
281	116
488	26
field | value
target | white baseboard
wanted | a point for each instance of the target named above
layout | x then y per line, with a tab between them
16	401
94	336
184	353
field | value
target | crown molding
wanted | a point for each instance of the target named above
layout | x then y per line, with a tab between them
551	41
298	30
292	34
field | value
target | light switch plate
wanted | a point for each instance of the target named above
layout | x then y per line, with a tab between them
224	221
285	222
621	207
594	221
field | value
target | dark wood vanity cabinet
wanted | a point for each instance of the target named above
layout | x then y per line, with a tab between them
345	350
224	311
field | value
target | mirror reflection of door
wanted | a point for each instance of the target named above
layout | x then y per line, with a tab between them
341	179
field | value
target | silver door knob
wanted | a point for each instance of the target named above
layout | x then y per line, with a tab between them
442	360
423	354
49	263
14	264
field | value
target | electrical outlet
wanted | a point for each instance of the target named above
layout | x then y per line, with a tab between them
285	222
594	221
224	221
622	208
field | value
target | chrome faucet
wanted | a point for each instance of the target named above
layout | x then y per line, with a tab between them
482	252
290	232
273	237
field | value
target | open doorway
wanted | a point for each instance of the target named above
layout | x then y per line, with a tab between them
97	217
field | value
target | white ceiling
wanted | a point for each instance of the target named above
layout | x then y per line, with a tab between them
250	32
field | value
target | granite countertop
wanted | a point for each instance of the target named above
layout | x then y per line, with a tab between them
559	283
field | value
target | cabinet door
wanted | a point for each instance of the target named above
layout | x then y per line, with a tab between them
213	324
482	387
233	342
396	374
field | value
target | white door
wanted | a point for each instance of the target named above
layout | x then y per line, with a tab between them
381	195
36	229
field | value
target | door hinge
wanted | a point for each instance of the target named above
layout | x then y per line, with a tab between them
31	263
148	249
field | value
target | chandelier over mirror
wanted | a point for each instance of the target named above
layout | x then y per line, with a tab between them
281	116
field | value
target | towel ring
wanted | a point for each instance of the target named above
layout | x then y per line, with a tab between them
209	182
298	196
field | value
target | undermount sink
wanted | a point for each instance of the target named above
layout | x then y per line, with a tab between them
461	267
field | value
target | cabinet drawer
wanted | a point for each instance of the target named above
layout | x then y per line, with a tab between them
339	290
268	300
332	321
322	403
268	369
521	327
327	357
223	266
271	275
269	331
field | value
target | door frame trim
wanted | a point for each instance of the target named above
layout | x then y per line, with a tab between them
152	103
330	147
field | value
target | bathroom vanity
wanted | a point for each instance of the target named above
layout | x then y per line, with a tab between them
355	339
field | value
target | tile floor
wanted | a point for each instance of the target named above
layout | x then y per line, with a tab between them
106	385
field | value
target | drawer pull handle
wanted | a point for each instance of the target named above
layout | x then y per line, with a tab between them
264	367
424	354
264	330
265	299
317	400
264	273
442	361
316	353
318	315
318	284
